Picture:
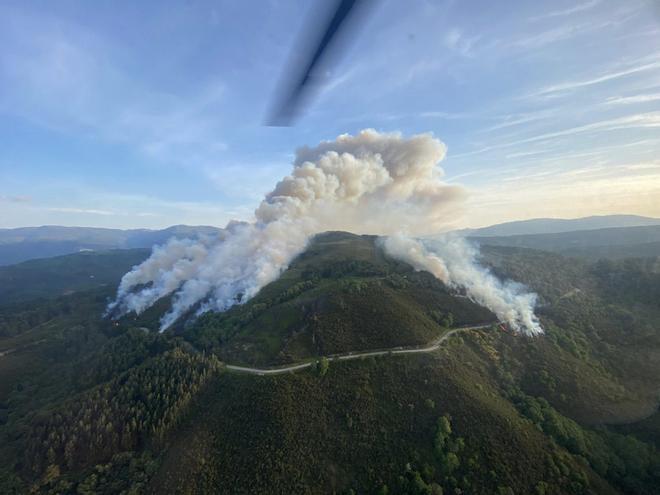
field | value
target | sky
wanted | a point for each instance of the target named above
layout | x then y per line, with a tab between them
150	114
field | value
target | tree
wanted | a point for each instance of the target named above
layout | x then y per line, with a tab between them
436	489
448	320
323	365
451	462
52	473
442	433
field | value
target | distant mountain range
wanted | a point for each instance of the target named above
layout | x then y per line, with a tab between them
613	243
26	243
612	236
17	245
558	225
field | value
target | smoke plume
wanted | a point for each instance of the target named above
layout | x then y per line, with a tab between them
453	260
373	183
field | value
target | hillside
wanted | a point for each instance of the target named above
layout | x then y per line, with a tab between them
341	295
21	244
50	278
89	406
615	243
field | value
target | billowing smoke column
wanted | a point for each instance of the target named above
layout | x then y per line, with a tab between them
452	259
368	183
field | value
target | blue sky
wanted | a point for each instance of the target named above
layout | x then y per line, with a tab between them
148	114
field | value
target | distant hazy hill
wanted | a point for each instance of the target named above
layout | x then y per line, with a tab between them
53	277
557	225
624	242
22	244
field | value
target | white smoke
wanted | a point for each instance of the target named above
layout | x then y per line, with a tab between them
453	260
368	183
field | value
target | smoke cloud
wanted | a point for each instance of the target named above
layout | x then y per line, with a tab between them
370	183
453	260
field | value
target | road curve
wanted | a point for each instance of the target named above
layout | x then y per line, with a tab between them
434	345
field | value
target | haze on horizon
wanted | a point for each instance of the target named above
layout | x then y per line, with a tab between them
151	115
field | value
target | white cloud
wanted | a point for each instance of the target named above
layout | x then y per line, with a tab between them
561	33
609	76
526	153
581	7
635	121
625	100
433	114
518	119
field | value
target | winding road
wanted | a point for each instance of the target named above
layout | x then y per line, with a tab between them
434	345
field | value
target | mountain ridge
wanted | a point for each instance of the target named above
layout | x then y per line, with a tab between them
26	243
560	225
612	243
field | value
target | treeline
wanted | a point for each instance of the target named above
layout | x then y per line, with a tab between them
120	415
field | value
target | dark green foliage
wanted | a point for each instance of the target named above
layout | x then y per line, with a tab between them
647	429
90	406
366	425
52	277
447	450
126	473
119	415
626	461
601	337
129	349
633	281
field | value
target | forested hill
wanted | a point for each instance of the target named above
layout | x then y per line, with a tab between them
53	277
613	243
90	406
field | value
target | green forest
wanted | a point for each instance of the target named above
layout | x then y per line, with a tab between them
94	406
